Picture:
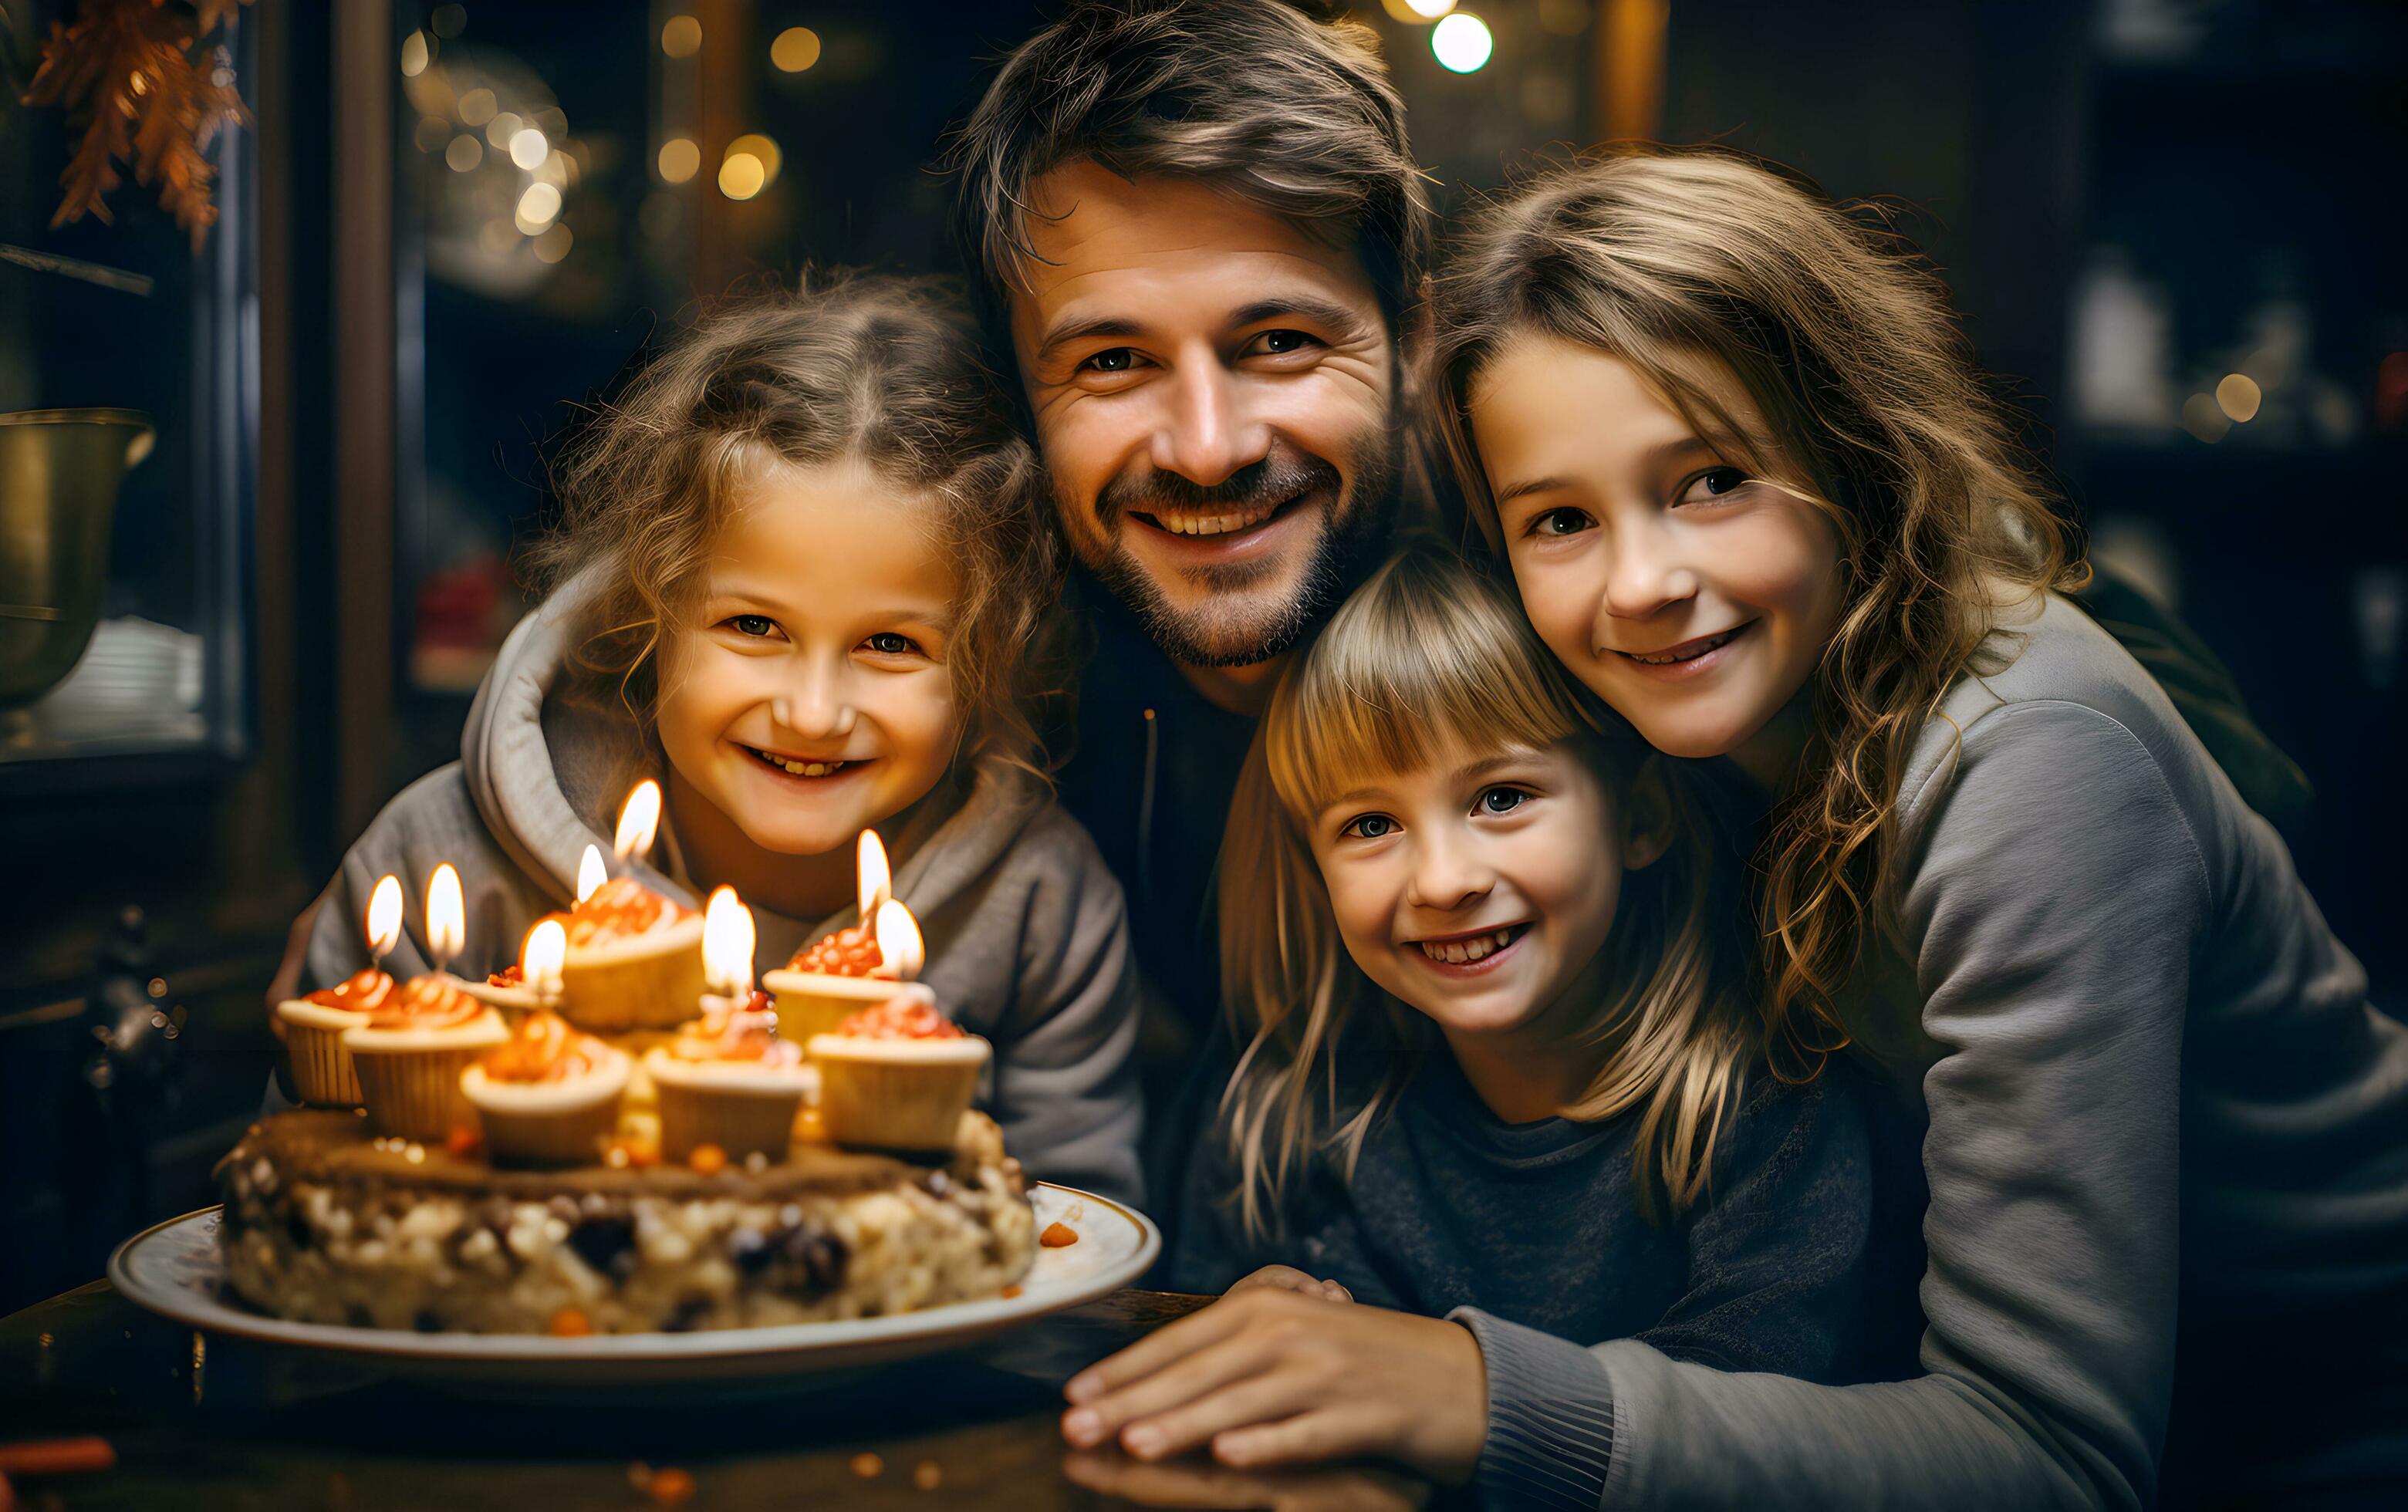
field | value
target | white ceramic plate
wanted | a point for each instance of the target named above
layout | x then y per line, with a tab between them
172	1269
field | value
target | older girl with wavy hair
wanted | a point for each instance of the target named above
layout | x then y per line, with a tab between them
1752	495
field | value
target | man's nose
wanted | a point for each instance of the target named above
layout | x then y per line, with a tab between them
817	704
1206	435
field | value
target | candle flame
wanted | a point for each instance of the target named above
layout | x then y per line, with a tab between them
539	962
877	882
900	951
727	937
591	873
447	914
384	915
639	818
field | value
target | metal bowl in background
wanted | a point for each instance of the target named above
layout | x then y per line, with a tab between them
59	474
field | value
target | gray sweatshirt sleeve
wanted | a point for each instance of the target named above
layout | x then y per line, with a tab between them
1066	1086
2052	911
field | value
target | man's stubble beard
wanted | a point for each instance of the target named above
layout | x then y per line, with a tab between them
1219	634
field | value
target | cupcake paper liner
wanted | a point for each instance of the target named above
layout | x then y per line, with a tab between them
889	1105
570	1133
739	1121
640	989
415	1093
321	1068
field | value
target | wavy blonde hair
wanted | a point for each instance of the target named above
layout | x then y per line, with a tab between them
1427	657
878	369
1845	344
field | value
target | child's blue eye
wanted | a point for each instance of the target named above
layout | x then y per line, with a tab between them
1502	800
753	624
1370	827
890	643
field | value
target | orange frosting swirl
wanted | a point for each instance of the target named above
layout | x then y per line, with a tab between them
364	992
848	952
619	909
425	1002
748	1033
904	1016
543	1049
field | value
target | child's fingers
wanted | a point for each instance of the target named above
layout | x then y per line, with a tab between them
1285	1278
1207	1370
1268	1397
1171	1342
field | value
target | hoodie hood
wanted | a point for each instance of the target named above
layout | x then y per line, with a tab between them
547	772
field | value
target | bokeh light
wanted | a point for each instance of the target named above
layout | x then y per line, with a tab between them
538	208
742	176
528	149
499	130
1431	9
448	21
681	160
414	54
2202	419
796	49
1461	42
465	152
554	243
682	37
2238	396
477	107
756	145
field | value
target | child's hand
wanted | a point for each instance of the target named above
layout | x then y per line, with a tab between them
1288	1278
1269	1376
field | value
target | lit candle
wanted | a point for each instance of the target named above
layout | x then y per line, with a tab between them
639	818
591	873
547	946
876	881
728	941
447	917
900	950
384	920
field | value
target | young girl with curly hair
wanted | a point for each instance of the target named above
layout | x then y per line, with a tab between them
1752	494
802	579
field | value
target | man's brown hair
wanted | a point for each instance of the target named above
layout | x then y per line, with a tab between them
1286	112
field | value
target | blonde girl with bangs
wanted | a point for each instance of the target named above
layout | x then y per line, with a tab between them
802	579
1752	494
1499	1092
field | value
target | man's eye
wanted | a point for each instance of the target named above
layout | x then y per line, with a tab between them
891	643
755	625
1562	520
1713	484
1370	827
1279	343
1502	800
1118	360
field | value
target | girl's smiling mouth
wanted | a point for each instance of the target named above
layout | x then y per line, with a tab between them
1689	658
805	767
1466	954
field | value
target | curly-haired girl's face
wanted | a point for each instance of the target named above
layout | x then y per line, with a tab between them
807	697
1692	597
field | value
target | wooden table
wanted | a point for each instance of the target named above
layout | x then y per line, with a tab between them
220	1423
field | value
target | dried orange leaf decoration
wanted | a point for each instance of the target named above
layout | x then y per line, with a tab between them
129	68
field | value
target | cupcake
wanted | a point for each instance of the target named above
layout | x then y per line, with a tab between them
729	1080
828	982
633	962
898	1075
411	1052
313	1033
546	1095
507	989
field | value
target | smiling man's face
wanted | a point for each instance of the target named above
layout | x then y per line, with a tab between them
1213	392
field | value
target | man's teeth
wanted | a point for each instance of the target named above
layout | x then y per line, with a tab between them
1459	952
1214	524
1669	658
803	768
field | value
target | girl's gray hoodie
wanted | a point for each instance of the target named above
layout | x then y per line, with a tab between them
1026	938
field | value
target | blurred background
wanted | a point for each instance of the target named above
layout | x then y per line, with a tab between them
2176	228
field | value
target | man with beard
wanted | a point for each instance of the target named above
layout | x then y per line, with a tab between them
1196	228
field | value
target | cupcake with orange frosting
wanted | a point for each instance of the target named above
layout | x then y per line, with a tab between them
898	1075
507	989
829	981
313	1033
729	1080
633	962
547	1094
411	1052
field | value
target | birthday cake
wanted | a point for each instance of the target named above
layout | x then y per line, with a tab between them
564	1171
